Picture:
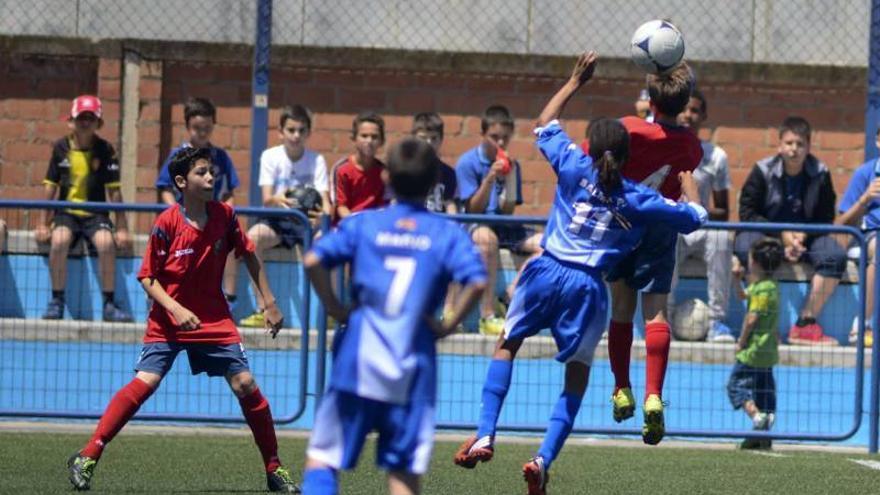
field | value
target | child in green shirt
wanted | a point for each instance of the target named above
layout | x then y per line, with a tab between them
751	385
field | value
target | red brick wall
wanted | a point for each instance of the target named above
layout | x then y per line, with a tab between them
742	118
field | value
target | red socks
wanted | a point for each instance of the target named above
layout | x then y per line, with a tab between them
256	412
657	346
122	407
620	339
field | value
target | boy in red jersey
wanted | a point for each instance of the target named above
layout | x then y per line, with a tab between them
357	180
182	273
659	151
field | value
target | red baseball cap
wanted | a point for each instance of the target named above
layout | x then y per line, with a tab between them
85	103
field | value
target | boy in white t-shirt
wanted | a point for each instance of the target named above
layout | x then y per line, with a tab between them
714	246
291	176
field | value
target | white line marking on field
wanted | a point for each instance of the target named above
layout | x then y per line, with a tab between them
868	464
768	454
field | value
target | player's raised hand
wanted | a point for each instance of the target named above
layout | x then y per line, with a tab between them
185	318
273	319
584	67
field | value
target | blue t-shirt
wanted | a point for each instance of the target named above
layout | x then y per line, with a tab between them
402	257
470	170
858	184
792	209
225	178
589	227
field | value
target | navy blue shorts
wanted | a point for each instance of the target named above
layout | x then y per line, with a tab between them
215	360
649	267
569	300
750	383
291	232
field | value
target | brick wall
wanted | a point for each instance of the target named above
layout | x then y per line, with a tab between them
742	117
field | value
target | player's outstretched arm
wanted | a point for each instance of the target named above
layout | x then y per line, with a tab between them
274	318
582	72
466	301
320	278
184	318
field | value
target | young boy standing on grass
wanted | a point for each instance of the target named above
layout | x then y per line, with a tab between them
357	180
181	273
751	385
384	363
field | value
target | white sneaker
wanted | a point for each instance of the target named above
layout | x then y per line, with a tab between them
719	332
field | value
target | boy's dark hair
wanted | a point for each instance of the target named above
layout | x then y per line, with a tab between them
670	92
199	107
796	125
184	160
496	114
609	149
767	253
704	107
297	113
368	116
412	168
428	122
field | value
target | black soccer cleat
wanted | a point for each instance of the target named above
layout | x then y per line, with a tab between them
281	481
80	470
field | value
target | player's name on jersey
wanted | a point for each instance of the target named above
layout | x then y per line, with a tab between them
595	191
403	240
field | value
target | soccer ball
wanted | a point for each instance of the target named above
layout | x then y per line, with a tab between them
691	321
305	198
657	46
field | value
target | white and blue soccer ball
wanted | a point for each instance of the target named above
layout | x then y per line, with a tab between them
657	46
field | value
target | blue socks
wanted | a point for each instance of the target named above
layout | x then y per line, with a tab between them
494	391
560	426
319	482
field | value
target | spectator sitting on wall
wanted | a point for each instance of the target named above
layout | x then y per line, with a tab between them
357	178
793	186
83	167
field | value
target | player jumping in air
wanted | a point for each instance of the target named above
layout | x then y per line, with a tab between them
659	151
597	218
384	370
182	273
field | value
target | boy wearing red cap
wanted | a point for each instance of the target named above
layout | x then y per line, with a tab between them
83	167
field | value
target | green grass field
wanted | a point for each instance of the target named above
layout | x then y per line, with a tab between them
35	463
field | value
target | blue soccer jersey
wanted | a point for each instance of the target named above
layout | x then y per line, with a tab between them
402	259
591	228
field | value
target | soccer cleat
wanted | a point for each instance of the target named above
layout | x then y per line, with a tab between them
808	332
623	404
256	320
492	325
80	470
652	432
474	450
281	481
113	313
756	444
719	332
854	333
536	476
55	309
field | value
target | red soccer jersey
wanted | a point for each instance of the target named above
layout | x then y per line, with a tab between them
657	153
359	189
188	263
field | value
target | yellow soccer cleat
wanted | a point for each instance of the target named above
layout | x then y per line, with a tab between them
255	320
652	432
623	404
492	325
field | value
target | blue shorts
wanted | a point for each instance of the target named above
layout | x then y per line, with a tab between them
649	267
215	360
343	420
750	383
568	299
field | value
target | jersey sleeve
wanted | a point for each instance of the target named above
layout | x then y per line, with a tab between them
338	247
321	174
857	186
653	208
267	169
158	246
239	242
464	262
557	147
